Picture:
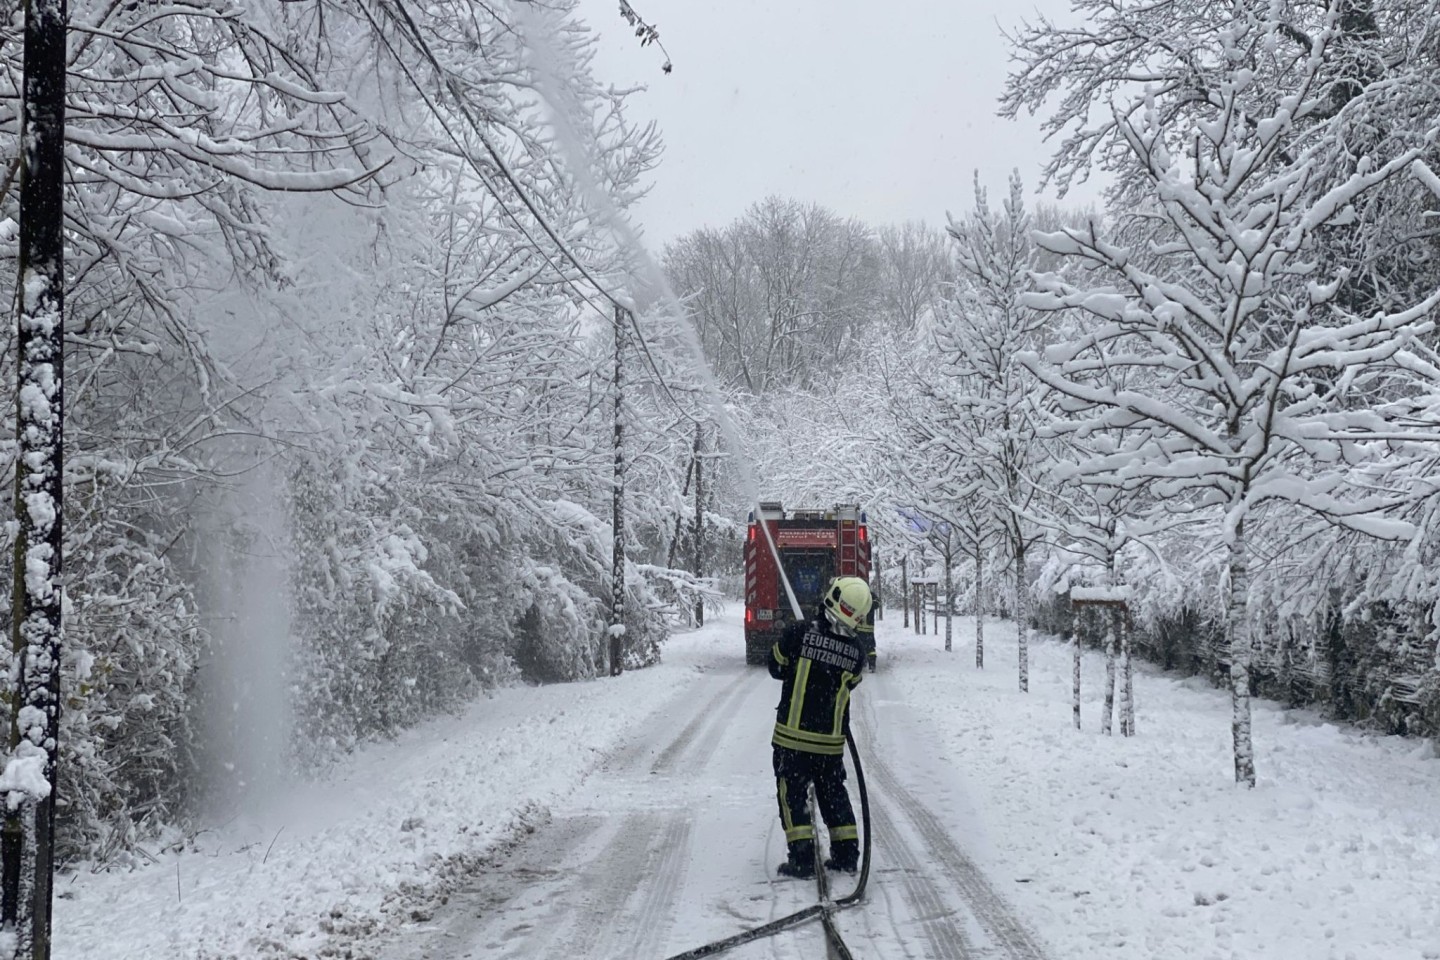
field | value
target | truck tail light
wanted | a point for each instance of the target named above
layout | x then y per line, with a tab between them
749	616
752	533
864	533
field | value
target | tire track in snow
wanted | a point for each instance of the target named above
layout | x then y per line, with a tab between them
990	910
892	898
643	890
502	911
603	886
717	707
927	905
640	930
670	852
645	859
590	884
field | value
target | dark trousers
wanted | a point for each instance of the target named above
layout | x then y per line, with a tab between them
794	772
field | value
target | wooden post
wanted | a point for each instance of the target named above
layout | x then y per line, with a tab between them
905	591
699	535
617	511
1075	640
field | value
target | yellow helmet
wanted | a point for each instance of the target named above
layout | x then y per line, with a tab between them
847	601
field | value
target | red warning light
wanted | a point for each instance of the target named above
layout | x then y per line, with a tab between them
749	613
864	534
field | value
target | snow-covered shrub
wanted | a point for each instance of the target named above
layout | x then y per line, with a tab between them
647	622
559	636
366	615
1377	657
675	594
133	643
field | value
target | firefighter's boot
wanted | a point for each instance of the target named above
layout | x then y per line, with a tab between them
844	856
801	862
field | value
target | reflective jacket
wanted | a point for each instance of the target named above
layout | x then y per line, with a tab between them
819	669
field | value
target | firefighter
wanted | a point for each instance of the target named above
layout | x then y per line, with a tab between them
820	663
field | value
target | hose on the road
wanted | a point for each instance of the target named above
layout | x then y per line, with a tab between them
859	891
749	936
827	907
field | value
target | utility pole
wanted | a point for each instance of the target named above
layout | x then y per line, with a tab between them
617	556
699	533
27	838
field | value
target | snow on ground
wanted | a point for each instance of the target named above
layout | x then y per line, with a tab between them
1120	848
1108	848
380	840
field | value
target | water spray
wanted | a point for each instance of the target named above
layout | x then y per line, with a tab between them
550	68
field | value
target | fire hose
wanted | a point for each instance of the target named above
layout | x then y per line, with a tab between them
826	908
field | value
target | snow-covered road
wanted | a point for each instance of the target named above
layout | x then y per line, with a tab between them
662	844
928	891
673	841
635	818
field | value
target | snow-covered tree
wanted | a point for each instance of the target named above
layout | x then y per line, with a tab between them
32	691
780	296
1253	381
935	473
984	399
292	255
913	268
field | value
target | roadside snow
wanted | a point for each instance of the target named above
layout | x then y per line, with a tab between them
1145	848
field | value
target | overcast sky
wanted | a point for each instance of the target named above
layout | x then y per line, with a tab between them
878	110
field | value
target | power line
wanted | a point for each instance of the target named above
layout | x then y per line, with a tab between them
417	38
484	178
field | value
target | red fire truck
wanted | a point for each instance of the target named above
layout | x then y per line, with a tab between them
814	545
